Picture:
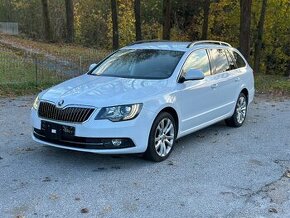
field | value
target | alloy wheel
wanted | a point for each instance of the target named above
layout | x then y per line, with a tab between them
164	137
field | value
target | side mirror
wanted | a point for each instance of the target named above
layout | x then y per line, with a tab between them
92	66
192	74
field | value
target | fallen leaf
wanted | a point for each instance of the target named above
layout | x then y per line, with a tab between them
84	210
287	173
273	210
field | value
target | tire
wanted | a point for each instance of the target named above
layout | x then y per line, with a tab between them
162	138
240	113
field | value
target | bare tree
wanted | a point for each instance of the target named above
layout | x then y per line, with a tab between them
115	24
46	21
245	27
69	20
206	8
166	19
137	10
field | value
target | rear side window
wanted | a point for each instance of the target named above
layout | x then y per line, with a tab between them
231	60
239	60
220	60
197	60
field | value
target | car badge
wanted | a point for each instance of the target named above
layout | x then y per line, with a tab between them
60	103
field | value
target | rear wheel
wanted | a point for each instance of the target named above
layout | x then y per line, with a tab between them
240	113
162	138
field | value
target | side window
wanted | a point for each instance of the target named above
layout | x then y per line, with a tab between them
231	59
220	60
239	60
197	60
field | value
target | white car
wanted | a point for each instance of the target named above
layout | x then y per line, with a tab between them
143	97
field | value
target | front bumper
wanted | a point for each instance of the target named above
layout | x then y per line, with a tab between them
94	135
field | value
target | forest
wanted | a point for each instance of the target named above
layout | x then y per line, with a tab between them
259	28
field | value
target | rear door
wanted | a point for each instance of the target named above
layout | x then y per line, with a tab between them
225	82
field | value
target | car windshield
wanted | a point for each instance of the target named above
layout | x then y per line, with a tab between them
139	64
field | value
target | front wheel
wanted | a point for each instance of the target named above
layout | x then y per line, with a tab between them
162	137
240	113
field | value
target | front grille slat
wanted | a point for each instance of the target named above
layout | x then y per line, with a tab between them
69	114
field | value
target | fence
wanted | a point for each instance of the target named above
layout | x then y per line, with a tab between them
30	69
9	28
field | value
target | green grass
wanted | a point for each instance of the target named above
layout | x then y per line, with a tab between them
272	84
18	76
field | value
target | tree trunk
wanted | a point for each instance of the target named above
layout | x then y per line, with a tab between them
245	27
260	30
115	24
46	21
206	9
166	19
69	20
137	10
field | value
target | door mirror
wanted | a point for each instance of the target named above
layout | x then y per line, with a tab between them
92	66
192	74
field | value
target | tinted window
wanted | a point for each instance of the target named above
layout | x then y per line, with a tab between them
220	60
197	60
239	60
231	59
140	63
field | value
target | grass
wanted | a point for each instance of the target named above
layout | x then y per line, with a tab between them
72	52
18	76
272	84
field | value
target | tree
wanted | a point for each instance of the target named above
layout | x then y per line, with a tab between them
115	24
245	27
206	8
46	21
259	40
137	10
69	20
166	19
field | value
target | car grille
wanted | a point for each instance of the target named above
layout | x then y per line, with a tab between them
70	114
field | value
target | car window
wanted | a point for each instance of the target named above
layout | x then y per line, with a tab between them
197	60
239	60
219	60
231	60
139	64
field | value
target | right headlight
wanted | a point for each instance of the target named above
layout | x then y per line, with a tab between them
120	112
36	103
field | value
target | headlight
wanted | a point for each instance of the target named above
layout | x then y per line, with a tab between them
36	103
119	113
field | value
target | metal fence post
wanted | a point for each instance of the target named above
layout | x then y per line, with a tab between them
80	69
36	71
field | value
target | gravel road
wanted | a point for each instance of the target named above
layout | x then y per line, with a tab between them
215	172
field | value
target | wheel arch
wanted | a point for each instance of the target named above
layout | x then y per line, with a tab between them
246	93
173	113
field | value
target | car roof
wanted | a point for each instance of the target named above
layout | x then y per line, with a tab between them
176	46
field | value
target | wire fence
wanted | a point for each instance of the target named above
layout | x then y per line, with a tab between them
9	28
31	69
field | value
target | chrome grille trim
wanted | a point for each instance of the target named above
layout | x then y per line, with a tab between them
68	114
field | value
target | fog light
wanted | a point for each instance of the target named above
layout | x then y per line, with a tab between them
117	142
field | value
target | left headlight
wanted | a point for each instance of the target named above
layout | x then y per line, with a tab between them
120	112
36	103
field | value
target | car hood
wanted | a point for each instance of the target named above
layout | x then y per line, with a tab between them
100	91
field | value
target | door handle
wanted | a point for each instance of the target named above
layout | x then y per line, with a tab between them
237	79
213	86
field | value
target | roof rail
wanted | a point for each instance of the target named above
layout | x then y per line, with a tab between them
145	41
208	42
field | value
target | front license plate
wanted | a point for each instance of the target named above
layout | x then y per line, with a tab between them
56	131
